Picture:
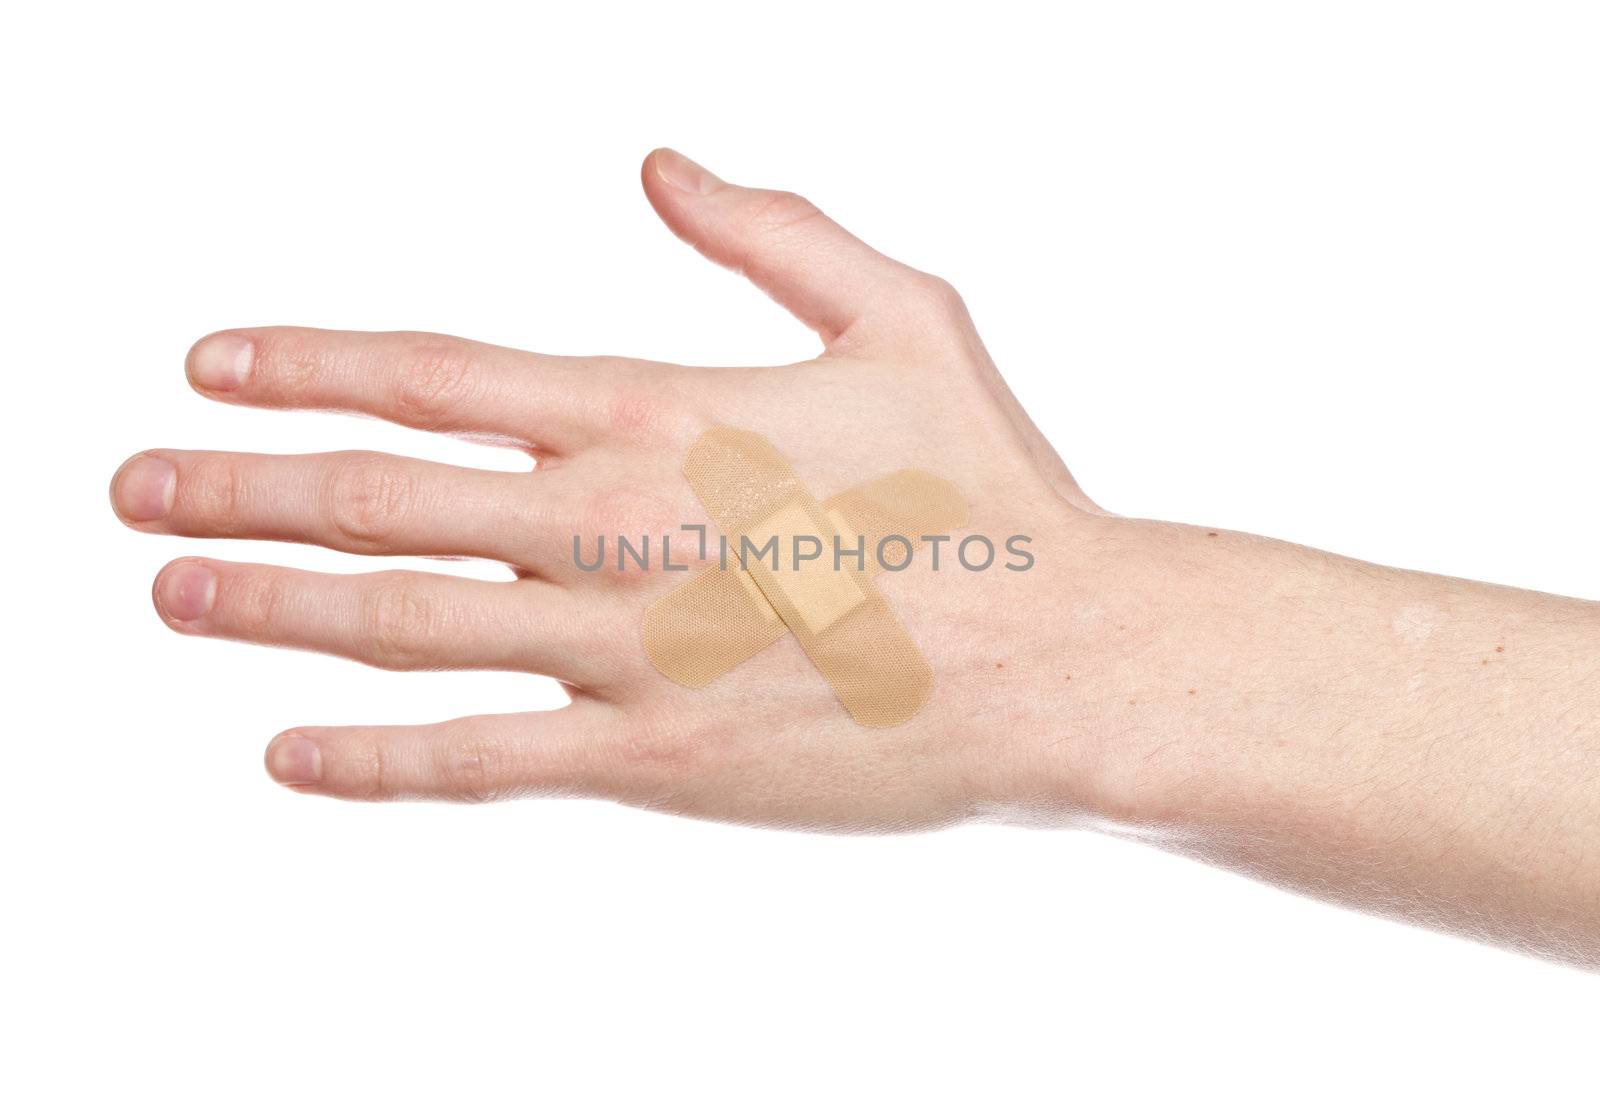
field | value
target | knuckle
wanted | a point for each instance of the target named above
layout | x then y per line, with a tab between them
938	294
256	604
476	769
368	498
778	212
436	379
400	624
616	515
216	494
647	405
366	768
662	754
635	413
620	510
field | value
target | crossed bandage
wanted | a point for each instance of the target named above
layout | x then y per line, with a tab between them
722	617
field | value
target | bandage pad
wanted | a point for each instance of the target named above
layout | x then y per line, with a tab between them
716	621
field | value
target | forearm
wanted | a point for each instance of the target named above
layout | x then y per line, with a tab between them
1419	745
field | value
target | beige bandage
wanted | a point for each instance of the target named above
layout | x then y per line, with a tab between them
722	617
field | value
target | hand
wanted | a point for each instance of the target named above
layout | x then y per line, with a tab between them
903	381
1409	743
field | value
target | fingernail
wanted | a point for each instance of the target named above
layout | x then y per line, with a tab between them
684	173
186	590
143	490
294	760
221	363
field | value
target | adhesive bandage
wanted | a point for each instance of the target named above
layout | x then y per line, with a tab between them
807	568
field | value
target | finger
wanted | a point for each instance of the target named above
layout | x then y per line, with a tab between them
369	503
829	279
572	751
432	382
397	620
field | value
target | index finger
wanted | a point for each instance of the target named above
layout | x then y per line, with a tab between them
431	382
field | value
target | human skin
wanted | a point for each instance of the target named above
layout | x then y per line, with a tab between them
1420	746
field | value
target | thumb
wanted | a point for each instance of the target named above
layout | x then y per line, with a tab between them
823	275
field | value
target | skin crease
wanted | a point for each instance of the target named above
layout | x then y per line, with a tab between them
1419	746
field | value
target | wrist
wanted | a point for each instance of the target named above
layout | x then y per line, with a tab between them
1181	653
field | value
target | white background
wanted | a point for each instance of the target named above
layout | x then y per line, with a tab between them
1328	272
